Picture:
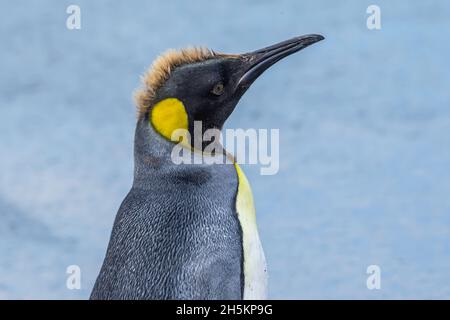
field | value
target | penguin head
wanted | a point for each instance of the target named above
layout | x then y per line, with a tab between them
198	84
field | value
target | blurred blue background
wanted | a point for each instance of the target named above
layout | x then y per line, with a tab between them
364	120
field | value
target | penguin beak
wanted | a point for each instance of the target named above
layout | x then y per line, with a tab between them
256	62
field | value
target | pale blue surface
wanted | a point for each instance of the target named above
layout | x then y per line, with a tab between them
364	121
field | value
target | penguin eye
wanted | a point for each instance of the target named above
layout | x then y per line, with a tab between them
218	89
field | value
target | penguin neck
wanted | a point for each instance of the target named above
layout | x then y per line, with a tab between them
151	150
153	155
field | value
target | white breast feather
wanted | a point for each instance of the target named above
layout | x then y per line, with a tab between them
255	269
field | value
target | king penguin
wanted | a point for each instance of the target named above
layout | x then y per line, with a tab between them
188	231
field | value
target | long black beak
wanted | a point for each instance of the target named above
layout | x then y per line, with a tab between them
259	61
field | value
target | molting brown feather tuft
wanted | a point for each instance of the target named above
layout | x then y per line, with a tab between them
160	71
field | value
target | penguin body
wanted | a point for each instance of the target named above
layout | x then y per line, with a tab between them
188	231
177	234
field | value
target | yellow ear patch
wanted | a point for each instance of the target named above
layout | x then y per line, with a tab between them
169	115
